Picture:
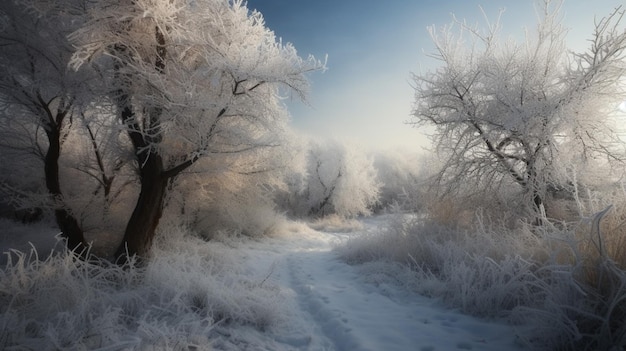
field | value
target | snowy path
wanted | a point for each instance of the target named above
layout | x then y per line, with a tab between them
333	308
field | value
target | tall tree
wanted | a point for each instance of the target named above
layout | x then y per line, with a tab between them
191	79
522	113
39	97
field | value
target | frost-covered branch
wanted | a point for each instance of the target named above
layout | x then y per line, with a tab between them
515	111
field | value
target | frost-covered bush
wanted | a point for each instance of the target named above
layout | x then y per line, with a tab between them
229	199
481	272
401	175
560	292
585	291
339	179
174	301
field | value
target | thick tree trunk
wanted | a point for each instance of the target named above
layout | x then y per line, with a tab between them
67	223
144	220
141	227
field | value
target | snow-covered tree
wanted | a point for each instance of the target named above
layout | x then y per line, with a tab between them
235	192
341	179
39	97
97	170
400	174
523	113
191	79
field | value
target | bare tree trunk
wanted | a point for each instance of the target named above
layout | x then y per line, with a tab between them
67	223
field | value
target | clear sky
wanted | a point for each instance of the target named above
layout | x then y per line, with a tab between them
374	45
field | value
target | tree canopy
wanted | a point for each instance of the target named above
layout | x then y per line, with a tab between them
525	113
169	82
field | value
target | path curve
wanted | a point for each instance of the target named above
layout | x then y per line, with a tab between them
333	308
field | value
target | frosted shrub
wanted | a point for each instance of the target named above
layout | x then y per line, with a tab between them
400	174
227	201
215	278
562	295
472	271
585	289
250	216
175	301
611	231
341	179
86	311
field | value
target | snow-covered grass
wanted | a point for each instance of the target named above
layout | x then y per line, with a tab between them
558	286
287	292
174	301
557	283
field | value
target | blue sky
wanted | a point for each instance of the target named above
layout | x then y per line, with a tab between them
373	46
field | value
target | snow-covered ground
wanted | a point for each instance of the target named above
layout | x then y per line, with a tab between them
336	308
322	303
